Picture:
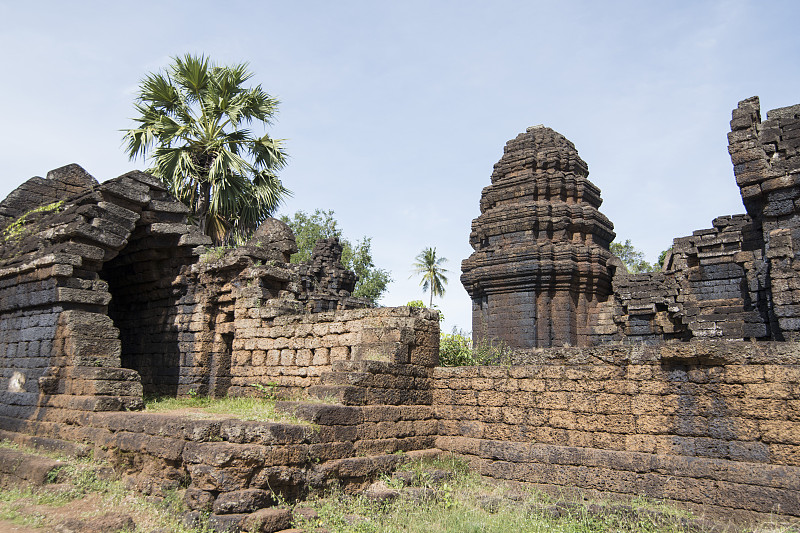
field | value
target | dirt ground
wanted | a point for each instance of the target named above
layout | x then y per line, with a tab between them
91	506
10	527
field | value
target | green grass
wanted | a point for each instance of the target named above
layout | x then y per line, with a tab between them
40	507
243	408
468	503
464	503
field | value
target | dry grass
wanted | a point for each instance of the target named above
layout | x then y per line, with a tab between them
243	408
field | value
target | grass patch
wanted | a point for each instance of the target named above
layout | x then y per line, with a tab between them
467	503
241	407
81	491
463	503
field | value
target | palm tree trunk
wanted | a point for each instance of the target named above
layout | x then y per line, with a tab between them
203	206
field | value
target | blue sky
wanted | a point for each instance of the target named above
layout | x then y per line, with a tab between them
395	112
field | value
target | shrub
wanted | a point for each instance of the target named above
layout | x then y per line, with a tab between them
456	349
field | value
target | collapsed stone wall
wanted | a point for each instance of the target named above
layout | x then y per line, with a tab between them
232	467
540	241
293	352
736	280
701	422
59	350
108	294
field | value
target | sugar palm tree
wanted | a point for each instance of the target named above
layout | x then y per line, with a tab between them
430	268
193	127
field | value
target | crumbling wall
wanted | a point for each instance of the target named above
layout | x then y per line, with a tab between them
231	468
108	294
736	280
60	350
541	274
294	351
700	422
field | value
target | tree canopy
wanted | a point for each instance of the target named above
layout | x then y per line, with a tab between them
430	268
634	258
193	125
308	229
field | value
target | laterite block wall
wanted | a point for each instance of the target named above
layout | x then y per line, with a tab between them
705	423
294	351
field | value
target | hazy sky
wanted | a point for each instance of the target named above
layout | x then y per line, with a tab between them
395	112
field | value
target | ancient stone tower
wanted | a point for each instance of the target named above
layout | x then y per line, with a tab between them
541	246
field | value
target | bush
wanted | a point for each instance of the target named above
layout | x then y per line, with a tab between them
456	349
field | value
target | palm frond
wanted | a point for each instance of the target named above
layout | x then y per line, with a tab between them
189	127
160	93
191	73
268	153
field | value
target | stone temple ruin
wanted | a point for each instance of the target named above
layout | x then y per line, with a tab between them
682	384
541	274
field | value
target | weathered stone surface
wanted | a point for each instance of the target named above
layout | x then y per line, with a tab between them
268	520
541	274
242	501
273	233
198	500
226	523
110	294
17	466
541	259
100	524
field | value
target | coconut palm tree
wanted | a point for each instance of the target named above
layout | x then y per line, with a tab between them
192	125
430	268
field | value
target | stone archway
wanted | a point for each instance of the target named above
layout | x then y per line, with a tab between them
69	247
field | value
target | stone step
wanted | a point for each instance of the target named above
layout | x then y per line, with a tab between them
73	449
17	467
362	379
325	414
343	394
356	469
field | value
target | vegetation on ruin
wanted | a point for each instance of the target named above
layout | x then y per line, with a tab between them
634	258
15	230
193	125
430	495
85	488
308	229
241	407
457	349
432	273
465	502
419	304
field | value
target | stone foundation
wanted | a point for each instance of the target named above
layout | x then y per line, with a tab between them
705	423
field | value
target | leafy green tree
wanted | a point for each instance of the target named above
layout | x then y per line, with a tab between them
308	229
430	268
632	257
193	125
